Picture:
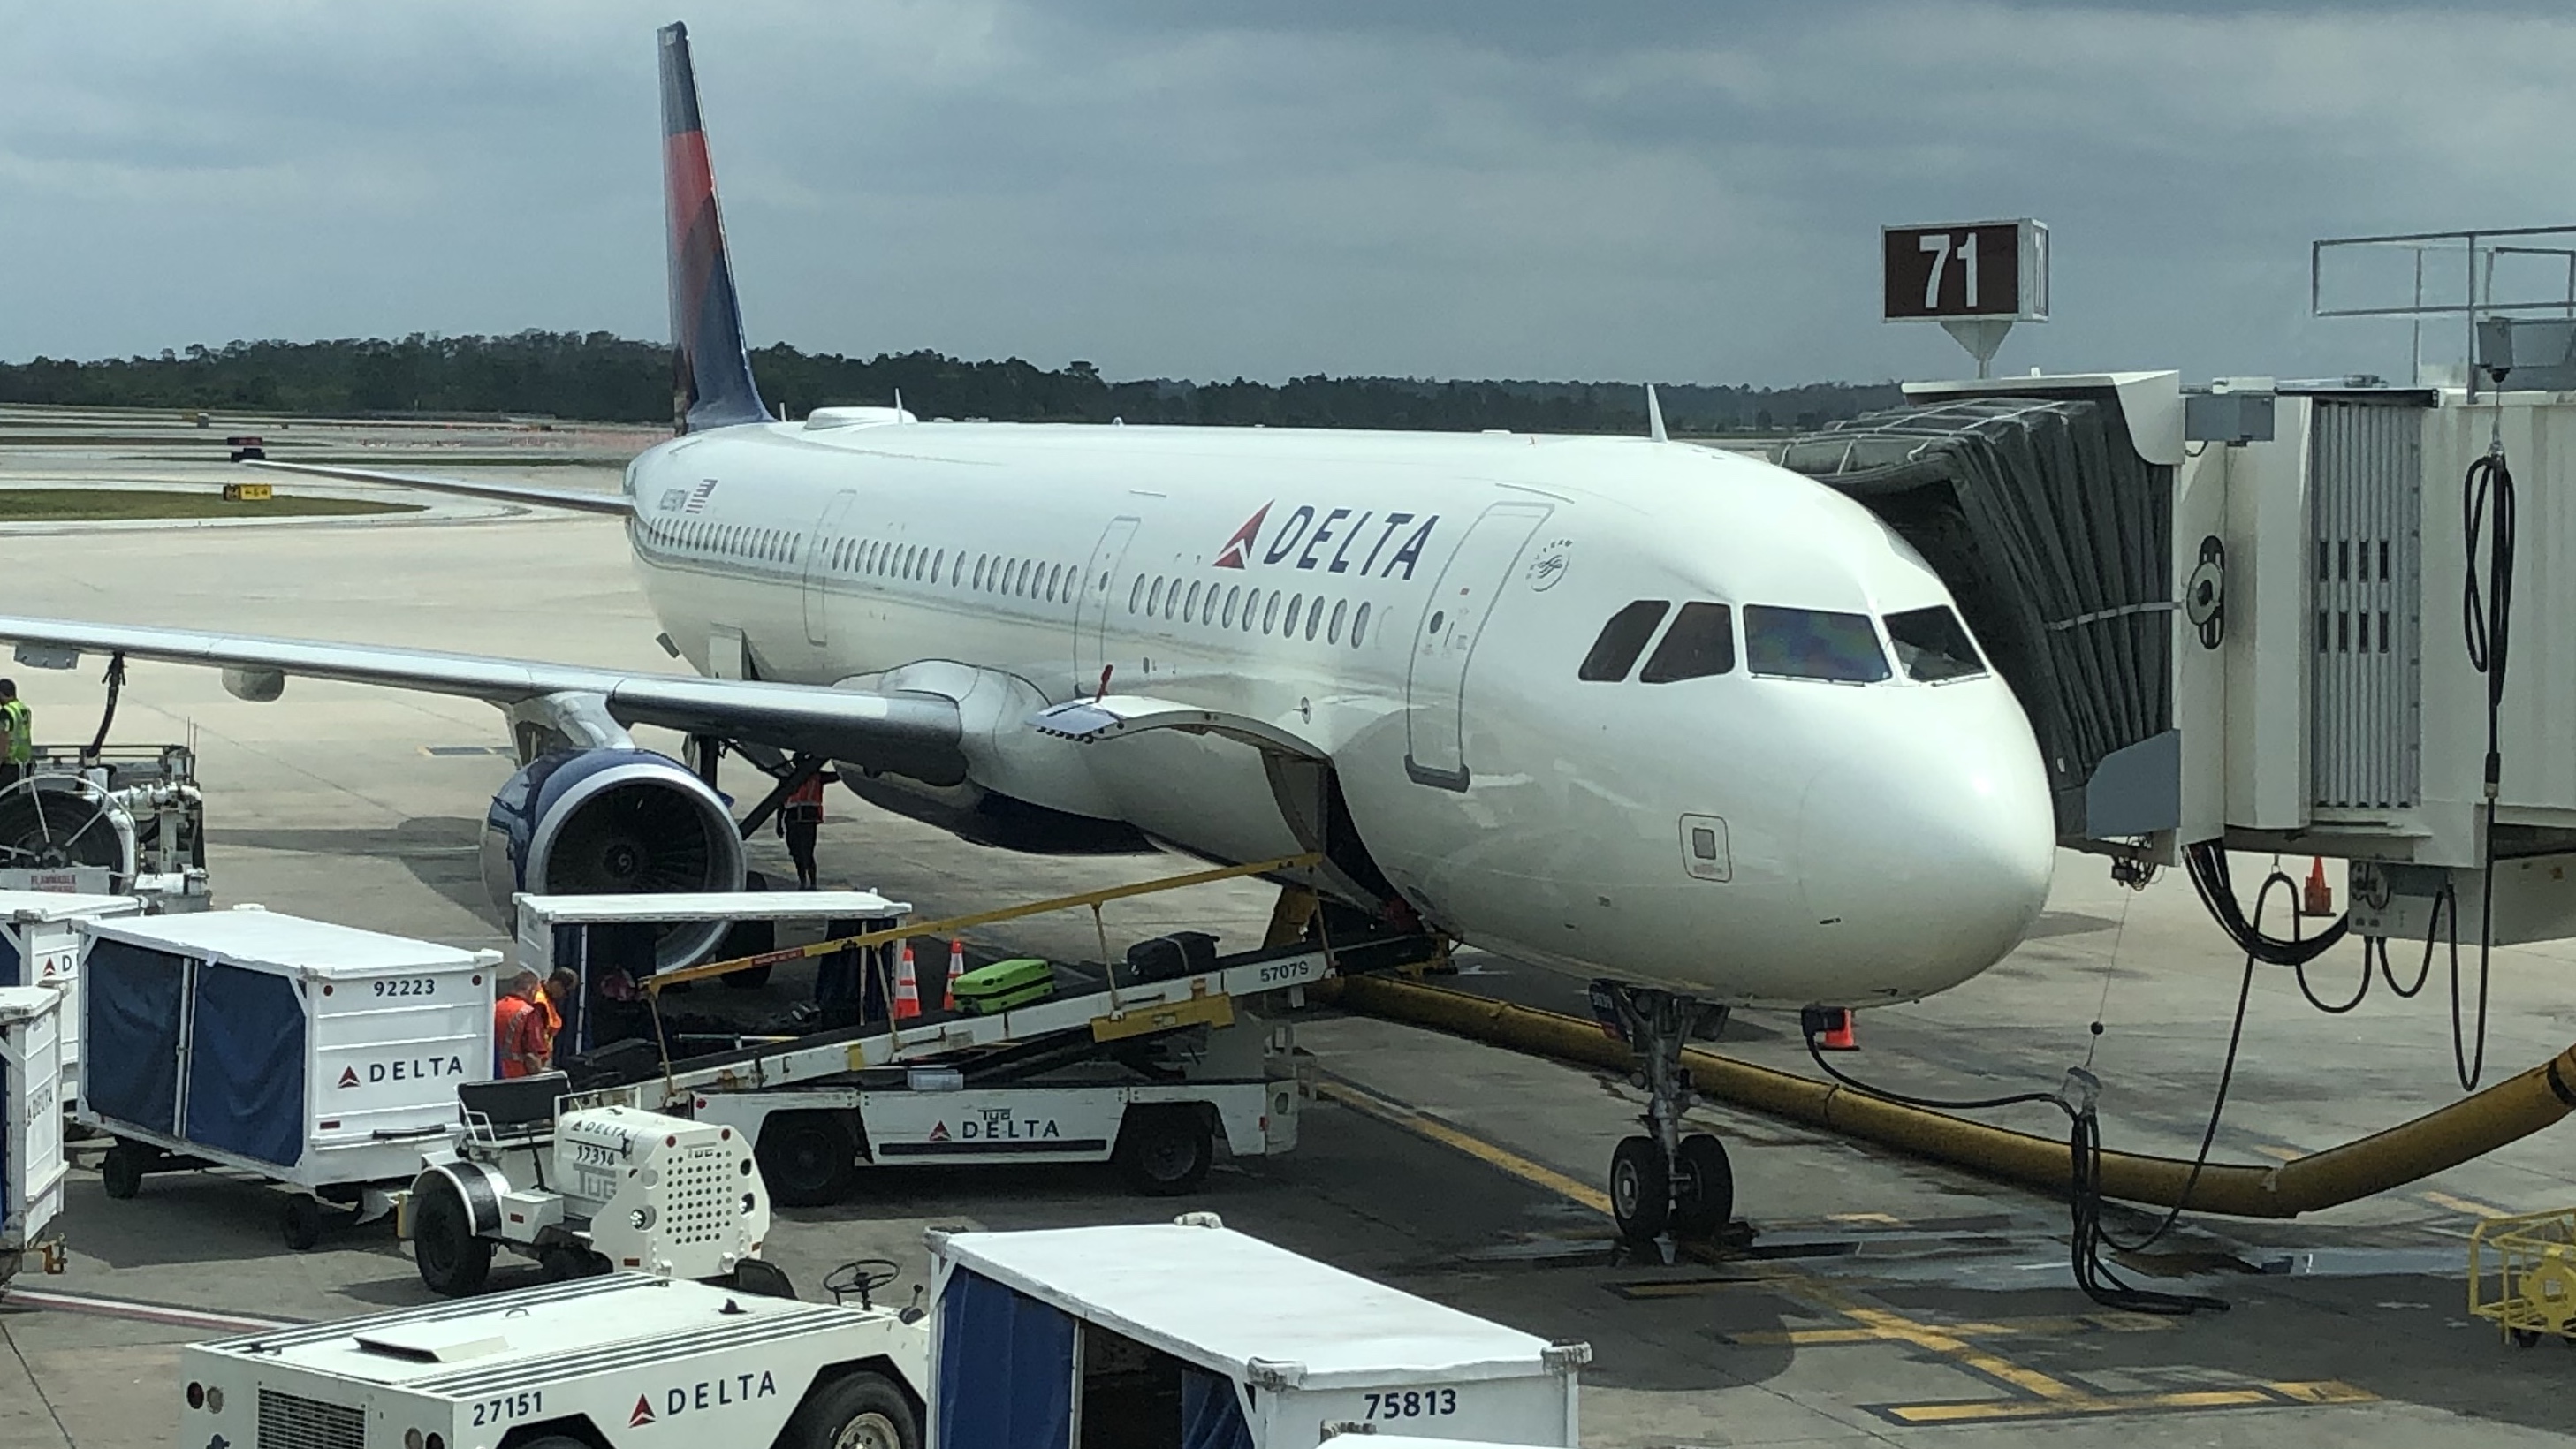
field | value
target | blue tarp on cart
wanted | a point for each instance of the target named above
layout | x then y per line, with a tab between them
130	1052
246	1065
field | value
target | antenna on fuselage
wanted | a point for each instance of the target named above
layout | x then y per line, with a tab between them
1654	416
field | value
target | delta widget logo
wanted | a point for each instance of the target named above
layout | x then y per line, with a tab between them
1330	542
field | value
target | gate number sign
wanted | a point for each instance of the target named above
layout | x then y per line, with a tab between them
1992	269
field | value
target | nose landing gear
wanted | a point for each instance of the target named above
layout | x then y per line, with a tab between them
1664	1182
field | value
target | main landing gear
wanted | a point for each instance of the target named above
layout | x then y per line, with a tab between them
1664	1182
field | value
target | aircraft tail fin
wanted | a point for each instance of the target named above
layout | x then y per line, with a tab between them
712	386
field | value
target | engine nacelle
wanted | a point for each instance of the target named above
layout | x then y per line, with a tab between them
613	822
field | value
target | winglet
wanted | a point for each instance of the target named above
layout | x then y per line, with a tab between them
1654	416
711	384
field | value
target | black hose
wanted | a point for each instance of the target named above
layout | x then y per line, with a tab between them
2206	864
2300	968
107	716
2488	515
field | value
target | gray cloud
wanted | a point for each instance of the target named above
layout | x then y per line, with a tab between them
1683	191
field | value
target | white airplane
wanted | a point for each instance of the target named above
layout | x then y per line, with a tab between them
1644	710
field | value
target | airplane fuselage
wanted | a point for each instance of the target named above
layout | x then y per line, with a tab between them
1417	608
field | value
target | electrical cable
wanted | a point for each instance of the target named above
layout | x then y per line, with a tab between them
2445	908
2488	515
2089	1235
2300	968
2206	864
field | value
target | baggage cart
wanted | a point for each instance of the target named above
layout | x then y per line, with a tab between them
314	1055
41	945
619	1361
32	1167
1189	1333
2522	1275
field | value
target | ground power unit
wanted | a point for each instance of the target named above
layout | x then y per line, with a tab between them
318	1056
1187	1334
590	1190
32	1166
604	1363
41	945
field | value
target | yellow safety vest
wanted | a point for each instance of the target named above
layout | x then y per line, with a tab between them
20	731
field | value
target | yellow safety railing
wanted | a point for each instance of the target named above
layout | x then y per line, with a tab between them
1093	899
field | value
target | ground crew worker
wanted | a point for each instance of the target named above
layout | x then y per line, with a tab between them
798	822
17	734
518	1029
560	998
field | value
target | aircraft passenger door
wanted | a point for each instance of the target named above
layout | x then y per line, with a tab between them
1435	685
818	561
1099	578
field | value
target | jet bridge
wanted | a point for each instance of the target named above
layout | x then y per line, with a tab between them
2268	617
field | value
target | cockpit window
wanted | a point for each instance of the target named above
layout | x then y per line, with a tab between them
1933	645
1812	644
1622	640
1700	643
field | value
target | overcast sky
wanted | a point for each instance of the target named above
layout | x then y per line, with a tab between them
1683	191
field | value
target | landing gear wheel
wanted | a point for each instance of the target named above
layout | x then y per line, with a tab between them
809	1159
1703	1188
452	1260
121	1171
1165	1150
858	1411
301	1222
1641	1197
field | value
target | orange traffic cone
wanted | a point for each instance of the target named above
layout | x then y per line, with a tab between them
956	968
2320	896
907	987
1837	1035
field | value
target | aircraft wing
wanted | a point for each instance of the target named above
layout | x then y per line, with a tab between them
910	734
578	499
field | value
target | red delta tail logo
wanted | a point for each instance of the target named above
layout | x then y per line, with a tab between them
1236	548
348	1076
643	1413
939	1130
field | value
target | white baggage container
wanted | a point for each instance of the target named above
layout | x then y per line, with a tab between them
320	1056
1116	1328
32	1168
41	945
628	1362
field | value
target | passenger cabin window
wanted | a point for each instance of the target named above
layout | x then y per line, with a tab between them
1812	644
1933	645
1700	643
1622	640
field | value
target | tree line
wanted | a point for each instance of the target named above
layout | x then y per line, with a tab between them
599	376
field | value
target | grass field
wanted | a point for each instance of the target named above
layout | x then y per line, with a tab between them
75	505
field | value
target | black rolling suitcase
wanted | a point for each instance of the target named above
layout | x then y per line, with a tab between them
1160	958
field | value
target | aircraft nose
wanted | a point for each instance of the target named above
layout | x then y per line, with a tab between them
1925	863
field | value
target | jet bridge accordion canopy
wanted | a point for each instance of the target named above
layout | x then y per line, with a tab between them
2056	539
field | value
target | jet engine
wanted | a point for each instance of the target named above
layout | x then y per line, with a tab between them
614	822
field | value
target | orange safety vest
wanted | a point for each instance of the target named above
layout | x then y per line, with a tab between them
512	1016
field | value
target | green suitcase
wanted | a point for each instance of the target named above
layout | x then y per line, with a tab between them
1004	985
